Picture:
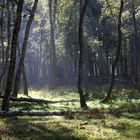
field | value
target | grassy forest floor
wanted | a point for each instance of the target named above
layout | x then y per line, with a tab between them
93	124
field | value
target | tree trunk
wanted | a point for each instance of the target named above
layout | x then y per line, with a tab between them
52	12
5	103
80	72
137	49
107	98
3	75
25	85
24	47
125	60
2	43
138	82
2	31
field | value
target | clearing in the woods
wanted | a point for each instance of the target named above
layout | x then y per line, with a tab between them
118	119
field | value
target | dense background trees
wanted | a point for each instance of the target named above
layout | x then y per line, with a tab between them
45	50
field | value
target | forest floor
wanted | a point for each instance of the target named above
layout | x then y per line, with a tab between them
93	124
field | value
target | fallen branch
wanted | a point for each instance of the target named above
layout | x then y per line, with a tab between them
94	112
38	100
25	113
121	111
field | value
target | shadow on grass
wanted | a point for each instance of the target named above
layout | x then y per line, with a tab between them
135	116
131	131
22	129
124	91
27	106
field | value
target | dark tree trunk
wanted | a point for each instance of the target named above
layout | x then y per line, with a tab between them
3	75
2	40
5	103
138	82
107	98
91	69
95	65
137	48
133	59
125	60
80	72
24	48
2	32
107	66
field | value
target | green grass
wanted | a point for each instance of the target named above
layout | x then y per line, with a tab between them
78	126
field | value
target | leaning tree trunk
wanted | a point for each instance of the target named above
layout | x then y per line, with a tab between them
108	96
80	72
24	47
5	103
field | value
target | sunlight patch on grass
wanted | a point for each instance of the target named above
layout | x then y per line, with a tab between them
53	95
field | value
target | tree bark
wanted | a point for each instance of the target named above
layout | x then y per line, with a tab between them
5	103
80	72
108	96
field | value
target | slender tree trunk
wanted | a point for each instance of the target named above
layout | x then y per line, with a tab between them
66	66
3	75
40	55
5	103
1	37
2	32
25	85
125	60
132	58
80	72
107	98
138	82
52	12
24	48
107	66
91	69
137	49
95	65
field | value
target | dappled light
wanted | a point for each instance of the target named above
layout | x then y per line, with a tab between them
69	70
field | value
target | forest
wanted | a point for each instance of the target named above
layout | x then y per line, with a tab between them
70	69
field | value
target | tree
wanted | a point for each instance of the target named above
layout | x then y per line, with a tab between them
137	74
14	43
3	75
24	47
107	98
81	49
52	13
2	40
